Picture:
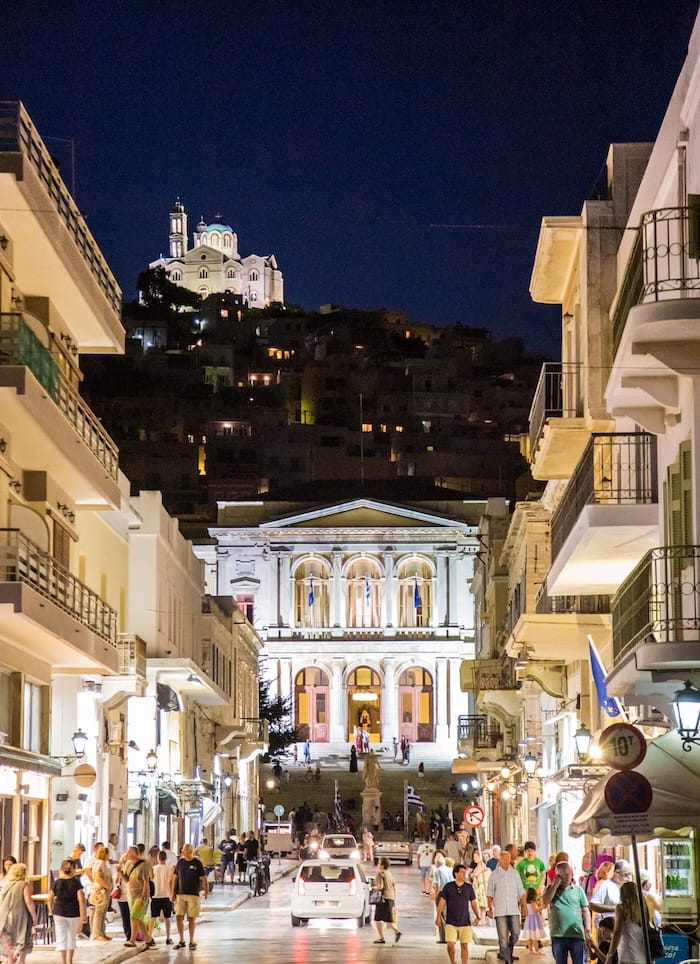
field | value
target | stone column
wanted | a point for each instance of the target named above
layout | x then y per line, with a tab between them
390	726
285	595
336	592
338	731
389	589
440	699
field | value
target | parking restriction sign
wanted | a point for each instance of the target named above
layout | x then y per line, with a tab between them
473	815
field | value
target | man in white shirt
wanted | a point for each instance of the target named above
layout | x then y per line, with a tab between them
506	905
426	852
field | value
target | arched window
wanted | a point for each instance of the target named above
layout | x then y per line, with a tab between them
176	276
312	605
363	594
214	240
254	276
231	273
227	240
415	593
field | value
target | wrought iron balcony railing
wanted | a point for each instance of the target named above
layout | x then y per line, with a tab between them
664	263
20	346
558	395
19	135
22	561
574	605
659	602
477	729
615	469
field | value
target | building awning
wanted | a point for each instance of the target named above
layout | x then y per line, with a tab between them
168	803
467	764
11	756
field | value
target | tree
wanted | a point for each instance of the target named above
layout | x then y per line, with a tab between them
277	710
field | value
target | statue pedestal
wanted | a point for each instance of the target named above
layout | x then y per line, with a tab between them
371	807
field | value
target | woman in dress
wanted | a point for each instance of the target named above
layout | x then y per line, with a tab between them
353	759
628	936
103	882
17	915
479	879
533	929
384	911
69	910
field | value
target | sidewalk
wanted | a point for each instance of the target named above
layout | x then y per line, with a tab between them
224	897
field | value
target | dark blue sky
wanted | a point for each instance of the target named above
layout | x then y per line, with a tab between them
343	136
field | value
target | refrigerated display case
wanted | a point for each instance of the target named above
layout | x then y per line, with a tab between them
679	891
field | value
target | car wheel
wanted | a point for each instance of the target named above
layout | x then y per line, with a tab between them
361	920
296	921
408	863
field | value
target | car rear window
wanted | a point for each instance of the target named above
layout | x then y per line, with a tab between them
326	873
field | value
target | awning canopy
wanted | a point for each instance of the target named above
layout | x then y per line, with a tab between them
168	803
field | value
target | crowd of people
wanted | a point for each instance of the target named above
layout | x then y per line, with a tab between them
596	917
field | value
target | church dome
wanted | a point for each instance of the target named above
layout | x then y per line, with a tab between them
218	226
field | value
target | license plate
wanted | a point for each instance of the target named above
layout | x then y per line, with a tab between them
326	903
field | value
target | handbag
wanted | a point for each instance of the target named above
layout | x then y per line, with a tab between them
117	892
656	944
376	897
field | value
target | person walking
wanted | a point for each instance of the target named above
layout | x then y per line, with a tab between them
100	895
441	875
506	904
139	892
384	911
426	854
531	868
227	849
479	881
533	928
455	899
189	879
160	902
17	916
307	752
628	936
569	916
353	759
68	908
367	845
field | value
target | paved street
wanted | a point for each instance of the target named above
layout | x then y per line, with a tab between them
238	929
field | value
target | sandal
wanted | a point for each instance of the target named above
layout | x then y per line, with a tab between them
382	941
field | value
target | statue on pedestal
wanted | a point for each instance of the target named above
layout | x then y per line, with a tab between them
370	772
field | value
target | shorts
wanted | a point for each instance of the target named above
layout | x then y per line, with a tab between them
384	911
187	904
161	905
424	871
461	934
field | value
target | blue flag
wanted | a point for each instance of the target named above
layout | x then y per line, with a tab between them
416	595
610	704
311	592
367	593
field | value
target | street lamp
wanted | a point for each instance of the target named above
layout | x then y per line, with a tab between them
530	764
582	739
686	709
152	761
79	741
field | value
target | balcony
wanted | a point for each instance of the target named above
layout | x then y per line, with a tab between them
246	739
656	317
478	738
608	517
50	613
656	616
52	428
558	429
557	629
54	253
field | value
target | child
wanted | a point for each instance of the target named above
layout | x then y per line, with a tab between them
599	951
533	929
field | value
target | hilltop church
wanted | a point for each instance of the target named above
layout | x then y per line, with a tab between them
214	266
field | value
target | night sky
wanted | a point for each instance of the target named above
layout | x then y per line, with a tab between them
395	154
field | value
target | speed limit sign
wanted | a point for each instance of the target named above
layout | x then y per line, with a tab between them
473	815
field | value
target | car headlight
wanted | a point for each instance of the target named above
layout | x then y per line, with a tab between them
355	855
324	855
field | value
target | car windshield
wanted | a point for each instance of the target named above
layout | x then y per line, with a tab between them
325	873
340	841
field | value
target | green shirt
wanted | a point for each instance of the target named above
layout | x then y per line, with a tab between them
565	912
531	872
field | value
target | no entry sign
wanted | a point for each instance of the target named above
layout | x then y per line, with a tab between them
473	816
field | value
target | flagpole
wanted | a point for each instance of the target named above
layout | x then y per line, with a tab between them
405	806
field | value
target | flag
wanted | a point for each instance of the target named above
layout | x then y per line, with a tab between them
416	595
367	589
338	807
610	704
412	798
311	592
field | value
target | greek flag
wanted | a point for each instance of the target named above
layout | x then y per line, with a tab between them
610	704
412	798
416	595
367	594
338	808
311	592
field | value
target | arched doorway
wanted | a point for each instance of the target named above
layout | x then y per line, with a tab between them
311	702
364	695
416	705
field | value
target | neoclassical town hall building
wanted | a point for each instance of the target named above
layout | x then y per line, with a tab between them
364	607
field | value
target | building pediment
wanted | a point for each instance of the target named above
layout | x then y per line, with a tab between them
363	514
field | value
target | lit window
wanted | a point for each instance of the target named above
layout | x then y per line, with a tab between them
398	428
382	428
366	426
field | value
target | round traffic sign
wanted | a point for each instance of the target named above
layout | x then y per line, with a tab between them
473	815
623	746
278	810
628	792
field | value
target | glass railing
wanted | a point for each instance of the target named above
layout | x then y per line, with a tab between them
558	395
22	561
659	602
19	135
20	346
615	469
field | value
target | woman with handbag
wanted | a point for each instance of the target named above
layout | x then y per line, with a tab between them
100	895
628	936
384	910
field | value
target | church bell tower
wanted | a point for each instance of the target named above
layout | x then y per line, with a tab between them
178	230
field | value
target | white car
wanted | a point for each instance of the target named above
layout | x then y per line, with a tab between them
340	845
330	889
